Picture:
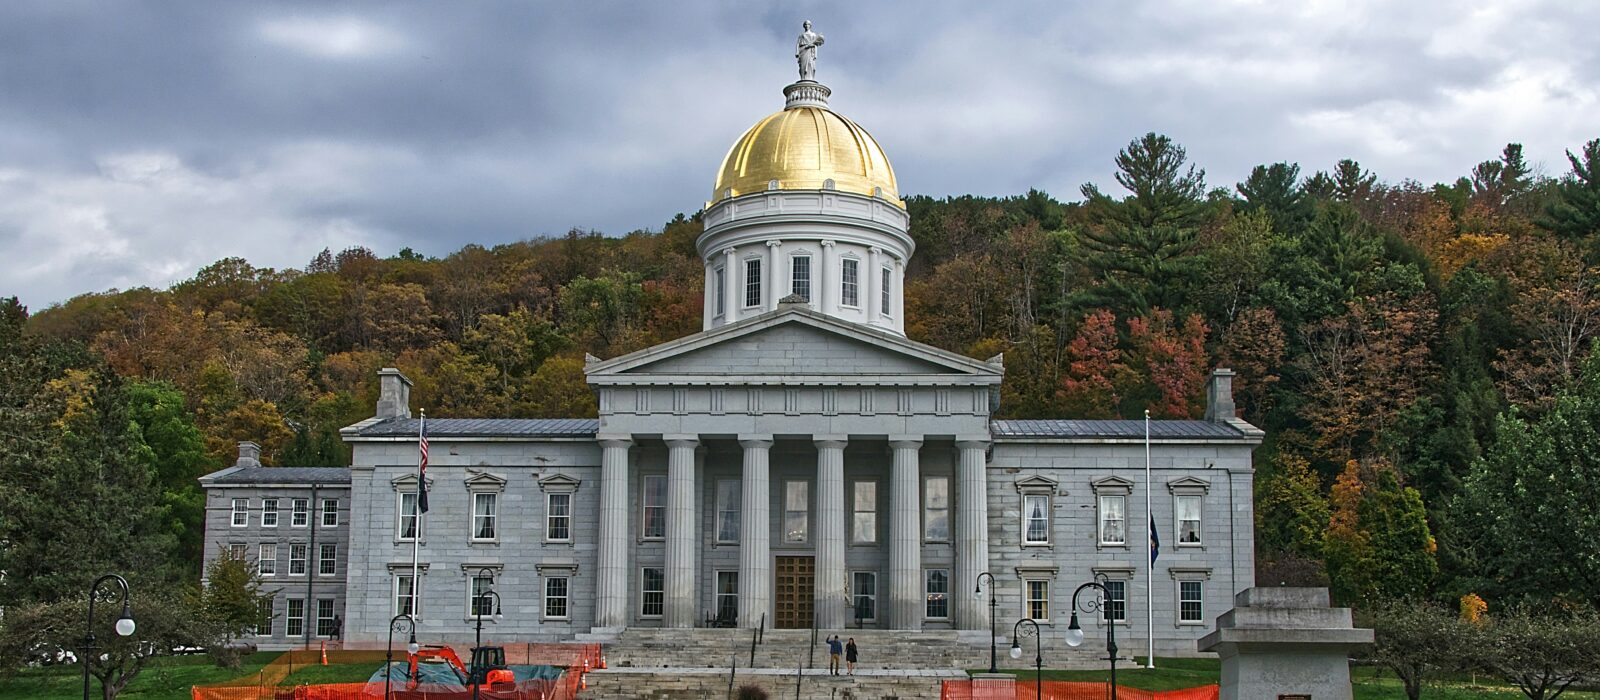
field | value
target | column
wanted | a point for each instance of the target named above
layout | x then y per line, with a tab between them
730	278
870	283
755	532
830	584
772	286
681	540
827	300
898	294
906	597
611	602
972	534
708	300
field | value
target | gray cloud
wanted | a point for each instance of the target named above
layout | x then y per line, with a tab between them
141	141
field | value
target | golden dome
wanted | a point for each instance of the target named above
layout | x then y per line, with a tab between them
801	148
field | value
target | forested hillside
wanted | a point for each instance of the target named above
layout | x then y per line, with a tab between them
1419	354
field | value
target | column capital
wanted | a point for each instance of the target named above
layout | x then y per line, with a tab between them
827	243
774	243
685	440
875	250
730	251
905	442
614	440
755	440
834	442
972	442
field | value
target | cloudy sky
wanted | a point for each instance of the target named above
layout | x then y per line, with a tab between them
140	141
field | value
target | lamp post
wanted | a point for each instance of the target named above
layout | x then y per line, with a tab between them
124	624
478	604
977	593
1075	633
1038	653
388	654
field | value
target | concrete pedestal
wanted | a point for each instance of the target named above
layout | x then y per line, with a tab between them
1285	643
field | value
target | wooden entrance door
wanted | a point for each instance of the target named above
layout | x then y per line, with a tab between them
793	600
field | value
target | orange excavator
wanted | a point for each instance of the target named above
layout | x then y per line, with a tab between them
488	664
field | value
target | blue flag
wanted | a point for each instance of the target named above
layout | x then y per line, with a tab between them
1155	541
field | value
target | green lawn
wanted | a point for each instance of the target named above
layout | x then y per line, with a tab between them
167	678
333	673
1369	683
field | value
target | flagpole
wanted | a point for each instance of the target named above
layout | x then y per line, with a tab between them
1149	569
416	517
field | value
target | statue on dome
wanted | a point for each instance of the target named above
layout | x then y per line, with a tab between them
805	52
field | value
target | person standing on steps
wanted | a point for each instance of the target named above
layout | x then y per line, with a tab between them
850	655
834	650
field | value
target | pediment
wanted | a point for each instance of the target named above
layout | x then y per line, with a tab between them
485	479
558	483
1188	484
408	482
1036	483
793	343
1112	484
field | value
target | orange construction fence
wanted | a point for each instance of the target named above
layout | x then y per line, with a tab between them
275	680
1063	690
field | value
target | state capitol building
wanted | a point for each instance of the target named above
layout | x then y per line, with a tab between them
798	463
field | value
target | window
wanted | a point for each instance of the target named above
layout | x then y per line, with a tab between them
721	292
477	602
864	585
800	279
728	510
727	595
328	560
849	285
269	512
1188	510
558	517
409	520
936	509
864	508
263	626
326	627
405	597
330	512
241	512
883	292
1191	609
652	592
655	507
267	562
1116	604
1037	605
483	515
295	624
752	283
1113	520
796	510
1036	519
301	516
555	597
297	559
238	551
938	593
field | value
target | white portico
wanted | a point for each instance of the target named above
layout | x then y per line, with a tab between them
831	398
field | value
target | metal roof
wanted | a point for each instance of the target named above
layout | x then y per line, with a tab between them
282	475
486	427
1114	429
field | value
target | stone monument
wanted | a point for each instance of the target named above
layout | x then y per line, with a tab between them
1285	644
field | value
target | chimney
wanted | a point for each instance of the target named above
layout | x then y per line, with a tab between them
394	394
1219	396
249	455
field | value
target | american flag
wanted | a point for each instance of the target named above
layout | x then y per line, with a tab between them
422	466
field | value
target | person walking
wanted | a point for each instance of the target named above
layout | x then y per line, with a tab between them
834	650
850	655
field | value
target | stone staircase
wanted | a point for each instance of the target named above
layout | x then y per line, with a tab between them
713	684
791	649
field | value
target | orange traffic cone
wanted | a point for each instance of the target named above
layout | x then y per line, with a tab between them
602	661
324	653
583	682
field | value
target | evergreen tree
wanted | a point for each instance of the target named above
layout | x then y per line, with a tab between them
1351	183
1575	213
1142	246
1276	190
